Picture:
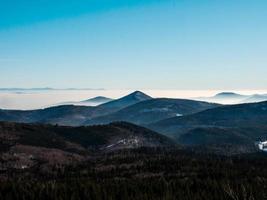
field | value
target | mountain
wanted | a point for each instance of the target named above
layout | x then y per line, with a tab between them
98	100
27	145
234	98
153	110
71	115
228	95
225	98
128	100
232	124
116	105
89	102
136	107
240	115
112	106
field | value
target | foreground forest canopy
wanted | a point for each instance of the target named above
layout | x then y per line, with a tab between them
143	173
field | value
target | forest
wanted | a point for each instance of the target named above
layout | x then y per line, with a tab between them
143	173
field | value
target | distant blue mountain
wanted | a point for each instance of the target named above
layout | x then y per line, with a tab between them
234	98
99	99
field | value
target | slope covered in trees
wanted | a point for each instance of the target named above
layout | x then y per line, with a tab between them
145	173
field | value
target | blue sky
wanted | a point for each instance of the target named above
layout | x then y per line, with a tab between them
117	44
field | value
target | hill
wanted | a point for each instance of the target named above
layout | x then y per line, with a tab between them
153	110
64	115
239	115
233	124
31	144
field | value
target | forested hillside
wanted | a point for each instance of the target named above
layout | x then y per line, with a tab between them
145	173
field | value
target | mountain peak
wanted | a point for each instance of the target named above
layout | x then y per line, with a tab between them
97	99
127	100
228	95
138	95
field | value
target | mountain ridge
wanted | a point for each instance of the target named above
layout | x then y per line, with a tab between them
232	123
152	110
71	114
29	145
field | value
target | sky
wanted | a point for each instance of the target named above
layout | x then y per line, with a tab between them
134	44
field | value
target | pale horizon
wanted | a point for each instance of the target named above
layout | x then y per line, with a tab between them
36	99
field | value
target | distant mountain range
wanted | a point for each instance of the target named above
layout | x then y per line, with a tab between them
234	98
88	102
136	107
70	114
